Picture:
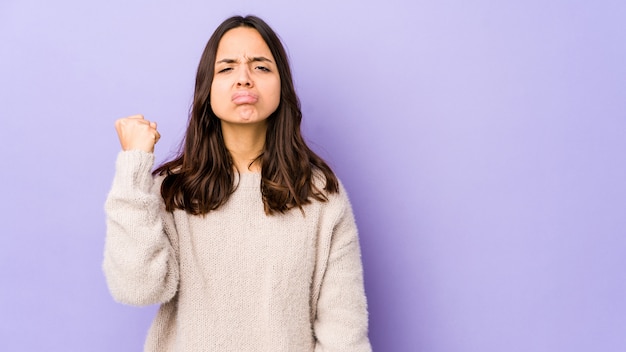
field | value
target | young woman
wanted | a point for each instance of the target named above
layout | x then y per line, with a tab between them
246	239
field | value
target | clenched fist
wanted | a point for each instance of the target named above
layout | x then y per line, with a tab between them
135	132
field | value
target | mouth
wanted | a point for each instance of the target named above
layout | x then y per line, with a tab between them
244	97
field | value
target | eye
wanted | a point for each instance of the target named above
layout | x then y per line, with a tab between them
225	70
262	68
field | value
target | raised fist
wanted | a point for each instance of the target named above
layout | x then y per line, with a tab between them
137	133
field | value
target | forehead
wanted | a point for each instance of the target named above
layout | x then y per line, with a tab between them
242	42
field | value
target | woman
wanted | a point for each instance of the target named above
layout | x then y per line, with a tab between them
246	238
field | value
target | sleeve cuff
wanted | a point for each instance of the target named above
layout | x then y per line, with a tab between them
133	170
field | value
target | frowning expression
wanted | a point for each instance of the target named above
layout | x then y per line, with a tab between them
246	83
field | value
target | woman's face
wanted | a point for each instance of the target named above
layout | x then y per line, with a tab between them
246	83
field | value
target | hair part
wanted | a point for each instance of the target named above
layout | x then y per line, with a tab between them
202	176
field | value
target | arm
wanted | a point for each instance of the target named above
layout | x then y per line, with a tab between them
341	317
139	260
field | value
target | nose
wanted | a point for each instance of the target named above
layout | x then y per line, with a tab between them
244	79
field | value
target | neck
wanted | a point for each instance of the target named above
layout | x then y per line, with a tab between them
245	143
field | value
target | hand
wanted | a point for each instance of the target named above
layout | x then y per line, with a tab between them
137	133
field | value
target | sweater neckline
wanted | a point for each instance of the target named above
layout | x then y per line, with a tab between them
248	179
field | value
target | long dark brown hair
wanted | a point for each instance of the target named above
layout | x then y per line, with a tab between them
202	177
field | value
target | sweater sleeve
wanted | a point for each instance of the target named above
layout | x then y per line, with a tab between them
341	318
139	259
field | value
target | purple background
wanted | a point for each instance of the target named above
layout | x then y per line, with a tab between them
482	143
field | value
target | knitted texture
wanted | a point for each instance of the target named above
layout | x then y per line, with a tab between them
235	279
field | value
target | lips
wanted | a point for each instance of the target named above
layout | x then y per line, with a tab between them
244	97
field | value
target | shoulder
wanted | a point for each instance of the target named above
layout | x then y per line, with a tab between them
327	183
337	200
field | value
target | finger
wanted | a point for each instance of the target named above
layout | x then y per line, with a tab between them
138	117
157	136
153	124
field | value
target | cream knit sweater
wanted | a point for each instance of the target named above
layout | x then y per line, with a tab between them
235	279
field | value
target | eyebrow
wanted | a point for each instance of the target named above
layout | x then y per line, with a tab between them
252	59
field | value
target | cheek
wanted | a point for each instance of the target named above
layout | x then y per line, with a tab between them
276	94
217	96
216	89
